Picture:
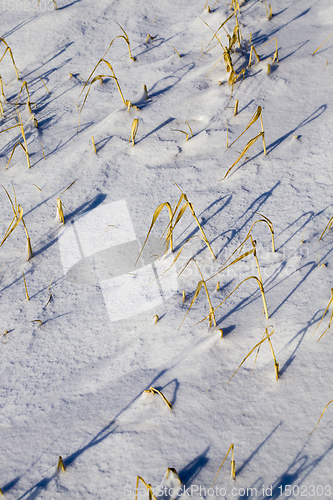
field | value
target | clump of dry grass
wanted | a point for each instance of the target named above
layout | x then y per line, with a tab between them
19	123
98	78
233	465
18	216
255	117
265	337
201	283
181	205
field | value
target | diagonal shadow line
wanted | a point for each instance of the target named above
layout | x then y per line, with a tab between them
249	458
313	266
98	438
156	129
302	470
316	114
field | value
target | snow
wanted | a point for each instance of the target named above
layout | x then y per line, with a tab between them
73	385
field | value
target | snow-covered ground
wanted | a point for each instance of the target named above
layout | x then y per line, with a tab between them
72	383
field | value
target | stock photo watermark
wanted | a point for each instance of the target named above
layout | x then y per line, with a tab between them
199	491
30	6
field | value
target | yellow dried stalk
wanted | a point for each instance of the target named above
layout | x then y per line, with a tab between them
175	50
276	364
146	91
313	53
153	390
215	33
37	321
17	221
1	492
43	150
156	318
227	134
266	336
60	465
184	296
188	204
1	88
149	37
217	286
99	77
93	143
236	108
25	286
330	322
25	147
173	470
269	12
201	283
71	184
253	50
11	55
155	216
233	474
321	416
148	486
135	126
254	118
329	225
60	212
30	254
246	279
126	38
24	84
247	147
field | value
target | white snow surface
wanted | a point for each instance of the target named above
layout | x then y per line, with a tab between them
72	383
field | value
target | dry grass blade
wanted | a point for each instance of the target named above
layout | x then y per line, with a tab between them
175	50
148	487
247	147
231	448
254	118
25	286
183	196
17	220
215	33
253	349
127	41
25	85
93	143
11	55
329	225
155	216
182	131
329	325
60	213
153	390
313	53
243	281
135	126
320	417
102	76
71	184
